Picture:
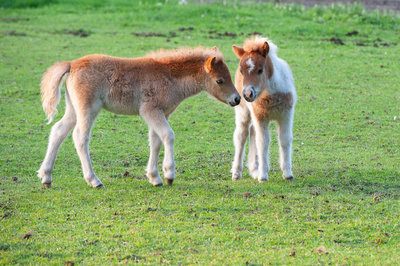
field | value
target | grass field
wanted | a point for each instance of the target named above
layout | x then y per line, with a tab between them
342	208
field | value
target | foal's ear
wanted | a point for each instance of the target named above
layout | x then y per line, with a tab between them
215	49
239	51
264	49
210	63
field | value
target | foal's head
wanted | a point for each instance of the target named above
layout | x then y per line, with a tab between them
219	81
255	66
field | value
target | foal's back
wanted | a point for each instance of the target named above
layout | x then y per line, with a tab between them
122	85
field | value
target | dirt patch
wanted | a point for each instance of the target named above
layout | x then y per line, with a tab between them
254	33
213	34
352	33
186	29
80	32
360	40
148	34
14	33
28	235
14	19
336	41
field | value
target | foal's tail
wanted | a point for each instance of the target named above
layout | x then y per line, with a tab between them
51	88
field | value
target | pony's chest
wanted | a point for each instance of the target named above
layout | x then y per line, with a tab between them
272	105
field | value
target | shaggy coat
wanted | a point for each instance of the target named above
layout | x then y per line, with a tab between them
267	84
152	87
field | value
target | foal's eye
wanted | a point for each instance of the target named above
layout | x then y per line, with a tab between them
220	81
260	71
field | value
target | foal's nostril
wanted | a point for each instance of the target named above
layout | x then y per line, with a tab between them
251	94
237	100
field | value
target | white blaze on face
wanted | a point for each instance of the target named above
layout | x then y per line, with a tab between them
251	65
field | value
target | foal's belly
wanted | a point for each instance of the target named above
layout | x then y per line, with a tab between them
122	100
122	109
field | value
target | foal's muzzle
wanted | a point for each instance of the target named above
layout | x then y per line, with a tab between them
235	100
249	94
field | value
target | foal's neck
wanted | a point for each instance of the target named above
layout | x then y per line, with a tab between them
190	75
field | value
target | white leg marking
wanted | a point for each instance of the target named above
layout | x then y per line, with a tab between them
152	166
252	157
157	121
58	133
262	144
81	137
239	140
285	140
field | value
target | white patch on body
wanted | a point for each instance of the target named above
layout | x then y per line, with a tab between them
251	65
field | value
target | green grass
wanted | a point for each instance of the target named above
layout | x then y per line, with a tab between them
346	161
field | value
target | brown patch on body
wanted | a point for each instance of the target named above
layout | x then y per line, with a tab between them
267	104
269	67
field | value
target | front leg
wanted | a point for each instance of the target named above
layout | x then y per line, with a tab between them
252	161
239	140
158	123
285	138
262	144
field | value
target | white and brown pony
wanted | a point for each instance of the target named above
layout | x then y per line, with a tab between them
267	84
152	87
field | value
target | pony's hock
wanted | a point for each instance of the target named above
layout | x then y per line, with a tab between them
152	87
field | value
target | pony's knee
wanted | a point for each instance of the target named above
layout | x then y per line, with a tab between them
286	141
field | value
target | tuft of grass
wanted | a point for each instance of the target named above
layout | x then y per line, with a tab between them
342	208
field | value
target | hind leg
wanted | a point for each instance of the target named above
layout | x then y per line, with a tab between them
81	136
58	133
152	166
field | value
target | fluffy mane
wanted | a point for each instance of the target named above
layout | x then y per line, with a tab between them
185	53
253	45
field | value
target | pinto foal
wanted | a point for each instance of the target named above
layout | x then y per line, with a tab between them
267	84
152	87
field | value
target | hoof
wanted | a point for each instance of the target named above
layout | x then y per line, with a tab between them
236	177
169	181
159	185
47	185
289	178
101	186
262	180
